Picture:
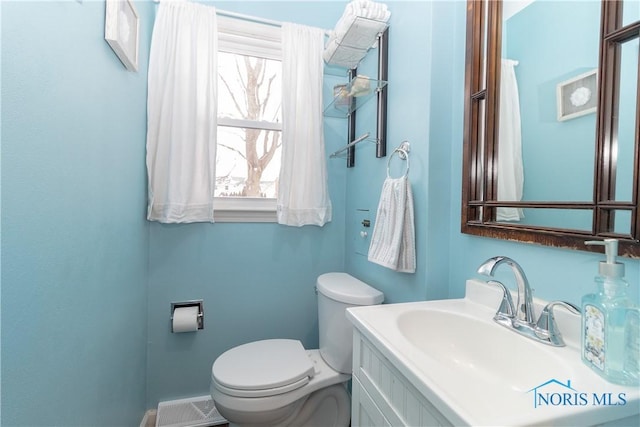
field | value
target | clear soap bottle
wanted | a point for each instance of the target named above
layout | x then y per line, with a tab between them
610	323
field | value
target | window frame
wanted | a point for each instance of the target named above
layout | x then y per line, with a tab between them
242	37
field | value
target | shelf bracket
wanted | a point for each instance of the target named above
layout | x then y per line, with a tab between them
351	125
381	116
381	107
383	72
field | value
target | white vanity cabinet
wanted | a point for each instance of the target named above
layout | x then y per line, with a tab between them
382	396
426	363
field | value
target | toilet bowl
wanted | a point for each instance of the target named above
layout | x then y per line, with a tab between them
277	382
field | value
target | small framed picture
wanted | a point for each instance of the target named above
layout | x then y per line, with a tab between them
121	29
577	96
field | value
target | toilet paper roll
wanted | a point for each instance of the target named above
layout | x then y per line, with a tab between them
185	319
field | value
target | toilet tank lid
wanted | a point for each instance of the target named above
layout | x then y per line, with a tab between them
347	289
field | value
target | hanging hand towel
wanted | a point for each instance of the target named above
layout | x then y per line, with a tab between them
393	240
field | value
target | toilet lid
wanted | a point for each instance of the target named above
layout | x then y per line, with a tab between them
263	368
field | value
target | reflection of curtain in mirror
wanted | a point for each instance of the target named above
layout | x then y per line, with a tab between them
510	169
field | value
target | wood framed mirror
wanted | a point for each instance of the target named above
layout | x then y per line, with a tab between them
552	123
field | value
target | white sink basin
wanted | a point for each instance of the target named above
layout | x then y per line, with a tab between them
476	372
479	348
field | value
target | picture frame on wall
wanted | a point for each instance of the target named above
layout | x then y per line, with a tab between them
121	31
577	96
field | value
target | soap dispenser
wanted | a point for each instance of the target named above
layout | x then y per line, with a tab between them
609	323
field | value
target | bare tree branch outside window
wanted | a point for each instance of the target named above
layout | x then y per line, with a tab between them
250	91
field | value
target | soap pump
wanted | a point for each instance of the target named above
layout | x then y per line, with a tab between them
610	322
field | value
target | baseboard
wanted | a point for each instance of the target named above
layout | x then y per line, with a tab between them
149	419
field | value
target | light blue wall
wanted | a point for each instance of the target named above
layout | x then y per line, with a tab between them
257	280
75	244
547	142
426	103
419	103
74	238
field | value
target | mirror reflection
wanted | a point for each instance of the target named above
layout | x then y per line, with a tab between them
548	97
626	120
578	219
630	12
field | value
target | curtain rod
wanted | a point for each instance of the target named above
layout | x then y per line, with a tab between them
250	18
256	19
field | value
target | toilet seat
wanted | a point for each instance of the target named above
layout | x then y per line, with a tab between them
263	368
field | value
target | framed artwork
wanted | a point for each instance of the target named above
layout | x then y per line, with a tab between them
121	31
577	96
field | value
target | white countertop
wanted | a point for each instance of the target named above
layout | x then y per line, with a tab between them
484	395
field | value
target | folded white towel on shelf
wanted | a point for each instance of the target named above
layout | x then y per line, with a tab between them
393	240
368	9
358	29
351	25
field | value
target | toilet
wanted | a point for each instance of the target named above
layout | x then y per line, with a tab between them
277	382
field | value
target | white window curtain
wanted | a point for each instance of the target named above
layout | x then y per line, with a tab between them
510	167
303	197
182	111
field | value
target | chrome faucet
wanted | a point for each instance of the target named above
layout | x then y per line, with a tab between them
524	307
547	329
521	317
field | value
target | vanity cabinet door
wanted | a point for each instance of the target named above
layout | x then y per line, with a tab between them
363	411
379	389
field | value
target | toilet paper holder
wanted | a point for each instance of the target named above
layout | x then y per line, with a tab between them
193	303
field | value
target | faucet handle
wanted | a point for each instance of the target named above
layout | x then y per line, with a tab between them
506	311
547	328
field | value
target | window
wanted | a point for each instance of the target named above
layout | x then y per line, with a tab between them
249	121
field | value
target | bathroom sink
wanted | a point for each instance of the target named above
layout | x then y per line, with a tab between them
477	372
480	348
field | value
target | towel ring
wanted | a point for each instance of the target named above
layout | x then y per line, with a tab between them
403	152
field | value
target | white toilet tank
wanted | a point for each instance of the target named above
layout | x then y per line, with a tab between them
336	293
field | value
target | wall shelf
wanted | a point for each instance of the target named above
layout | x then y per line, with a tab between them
351	40
345	101
344	104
